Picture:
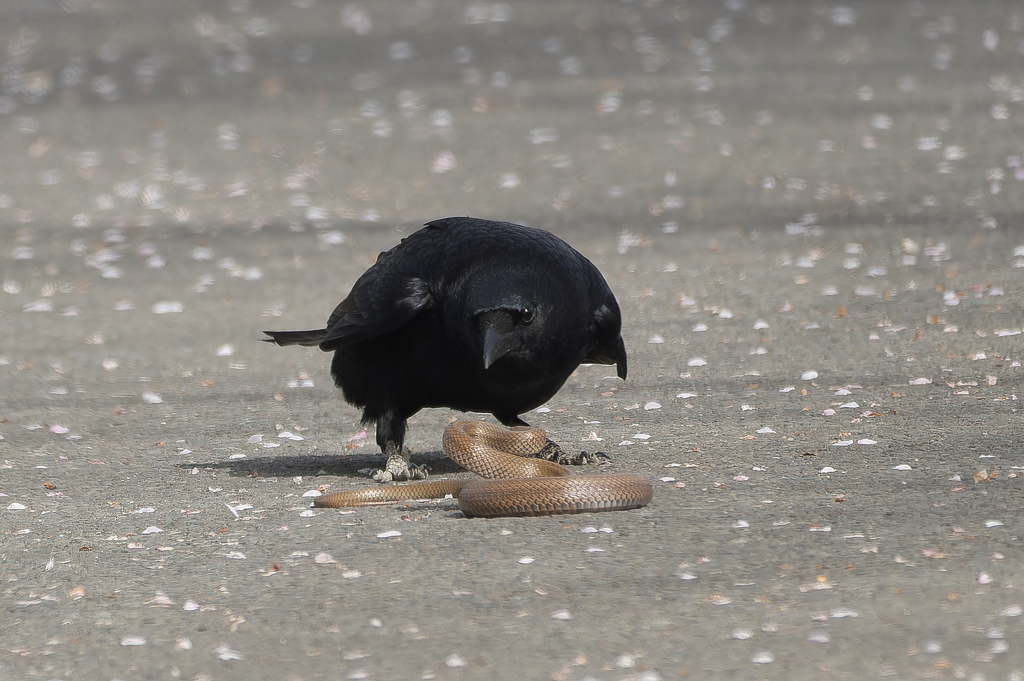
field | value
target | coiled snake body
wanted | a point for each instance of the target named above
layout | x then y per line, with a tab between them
513	485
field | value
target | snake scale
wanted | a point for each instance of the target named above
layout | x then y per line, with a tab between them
513	484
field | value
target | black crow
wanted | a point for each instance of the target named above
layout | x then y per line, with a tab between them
470	314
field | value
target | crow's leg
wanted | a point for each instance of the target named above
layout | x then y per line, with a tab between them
510	420
390	438
398	467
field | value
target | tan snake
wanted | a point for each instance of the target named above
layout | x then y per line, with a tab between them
514	485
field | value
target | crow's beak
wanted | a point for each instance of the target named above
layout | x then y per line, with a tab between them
497	344
500	337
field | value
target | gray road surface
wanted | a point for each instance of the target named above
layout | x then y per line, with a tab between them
810	214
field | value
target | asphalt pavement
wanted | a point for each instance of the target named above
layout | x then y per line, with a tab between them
809	213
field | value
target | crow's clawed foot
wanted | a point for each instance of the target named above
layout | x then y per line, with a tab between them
552	452
595	458
398	469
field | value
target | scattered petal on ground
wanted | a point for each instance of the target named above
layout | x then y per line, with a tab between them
167	307
454	661
225	653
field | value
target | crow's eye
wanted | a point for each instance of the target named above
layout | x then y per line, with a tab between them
526	314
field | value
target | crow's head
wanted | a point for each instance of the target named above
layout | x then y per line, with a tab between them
507	328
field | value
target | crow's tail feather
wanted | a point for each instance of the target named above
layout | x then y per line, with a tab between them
310	338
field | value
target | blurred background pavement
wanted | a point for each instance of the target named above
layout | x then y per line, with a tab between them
809	211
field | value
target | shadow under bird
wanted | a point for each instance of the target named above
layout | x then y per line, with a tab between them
470	314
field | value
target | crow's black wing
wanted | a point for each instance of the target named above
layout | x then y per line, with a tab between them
310	338
384	298
391	293
375	308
